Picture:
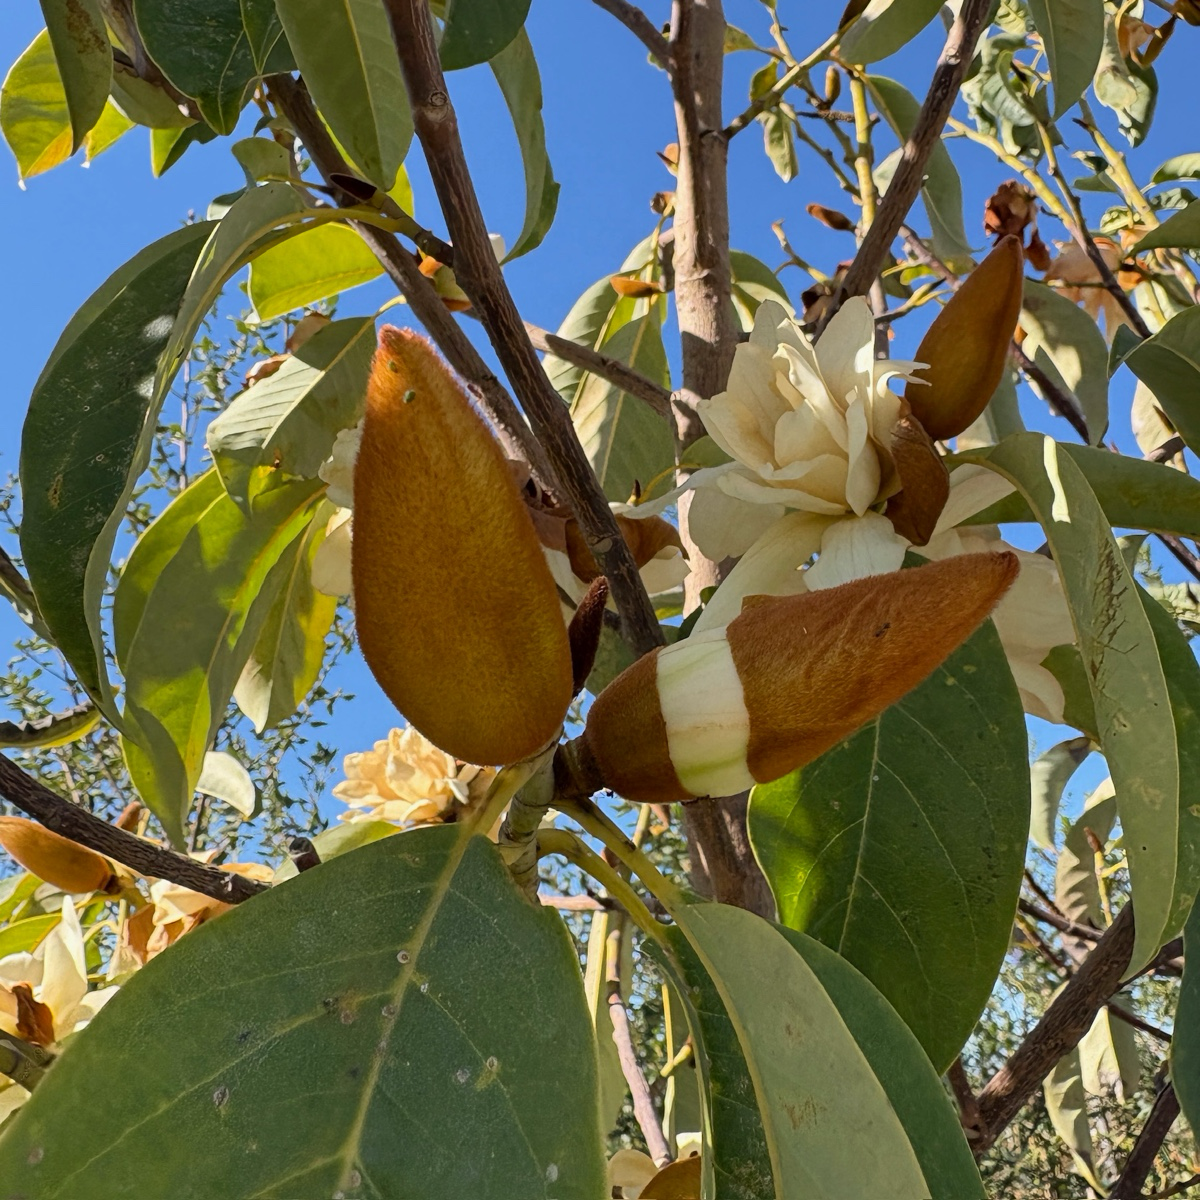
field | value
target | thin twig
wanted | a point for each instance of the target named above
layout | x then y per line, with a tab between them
1123	1014
1068	1018
1058	400
1177	1189
294	102
641	27
639	1090
910	171
613	370
1145	1150
71	821
480	277
1074	928
964	1095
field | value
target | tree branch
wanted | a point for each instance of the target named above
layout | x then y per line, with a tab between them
1067	1019
479	275
605	366
641	27
71	821
294	102
910	172
1149	1142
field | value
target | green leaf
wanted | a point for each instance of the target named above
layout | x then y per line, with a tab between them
168	144
1183	685
626	441
353	1044
318	263
1072	32
942	193
1066	665
145	103
884	27
1180	166
944	774
112	126
754	282
1066	1105
779	144
289	420
736	1146
224	778
203	50
1185	1042
262	158
189	608
1180	231
1076	889
85	62
1068	345
25	936
898	1061
1108	1057
1127	87
516	72
345	52
264	32
1048	777
290	651
1124	670
832	1126
477	30
86	438
1169	365
340	839
33	110
1000	419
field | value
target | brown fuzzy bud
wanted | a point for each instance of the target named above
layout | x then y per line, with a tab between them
789	678
458	615
584	631
924	482
966	347
830	217
56	859
833	84
637	288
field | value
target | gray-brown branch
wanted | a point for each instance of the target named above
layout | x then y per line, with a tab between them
71	821
1145	1149
480	277
1068	1018
641	27
910	172
294	102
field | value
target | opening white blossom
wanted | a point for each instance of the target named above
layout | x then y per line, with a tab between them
407	780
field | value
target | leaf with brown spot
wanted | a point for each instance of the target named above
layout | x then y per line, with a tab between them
458	615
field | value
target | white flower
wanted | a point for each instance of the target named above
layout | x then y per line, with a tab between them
331	563
44	995
408	780
809	428
338	469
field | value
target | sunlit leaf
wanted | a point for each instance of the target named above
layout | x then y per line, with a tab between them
1072	32
1169	365
1049	775
80	40
312	266
33	110
224	778
884	26
356	1047
943	773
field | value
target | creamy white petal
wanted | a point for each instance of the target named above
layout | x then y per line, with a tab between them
818	475
723	525
702	478
863	473
704	712
331	573
854	548
666	570
972	489
64	982
1041	693
847	347
771	567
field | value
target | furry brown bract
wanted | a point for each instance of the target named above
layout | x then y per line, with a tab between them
54	858
966	347
457	613
812	669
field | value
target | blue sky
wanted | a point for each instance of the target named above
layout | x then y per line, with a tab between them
607	112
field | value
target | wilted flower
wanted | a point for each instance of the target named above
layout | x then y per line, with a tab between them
1073	268
177	910
406	779
44	994
628	1173
809	428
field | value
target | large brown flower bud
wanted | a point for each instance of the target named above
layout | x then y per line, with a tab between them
786	680
56	859
458	615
